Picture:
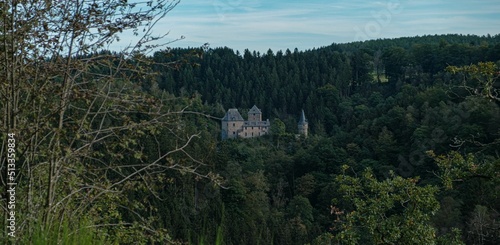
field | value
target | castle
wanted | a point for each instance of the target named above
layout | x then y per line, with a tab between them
303	125
234	126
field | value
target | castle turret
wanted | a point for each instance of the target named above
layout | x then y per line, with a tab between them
231	124
254	114
303	125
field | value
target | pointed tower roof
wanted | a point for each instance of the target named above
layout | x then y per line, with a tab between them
254	110
303	119
232	115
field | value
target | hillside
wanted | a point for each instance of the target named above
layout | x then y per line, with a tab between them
125	148
416	107
283	83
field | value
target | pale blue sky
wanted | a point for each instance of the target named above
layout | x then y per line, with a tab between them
278	25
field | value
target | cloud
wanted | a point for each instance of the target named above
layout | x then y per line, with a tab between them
260	25
266	24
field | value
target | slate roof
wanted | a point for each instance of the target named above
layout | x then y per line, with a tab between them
232	115
303	119
254	110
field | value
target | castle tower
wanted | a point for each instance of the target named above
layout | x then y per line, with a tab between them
254	114
232	124
303	125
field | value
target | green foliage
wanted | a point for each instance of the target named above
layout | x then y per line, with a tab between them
453	238
391	211
90	141
82	233
377	109
479	79
305	185
300	209
454	167
278	128
448	218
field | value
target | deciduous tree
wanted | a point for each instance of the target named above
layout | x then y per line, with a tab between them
80	118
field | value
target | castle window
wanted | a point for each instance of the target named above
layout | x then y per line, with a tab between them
245	134
234	124
234	132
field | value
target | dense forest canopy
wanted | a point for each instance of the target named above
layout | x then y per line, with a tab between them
317	80
379	109
125	148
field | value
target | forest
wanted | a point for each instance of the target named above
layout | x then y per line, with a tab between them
404	144
108	147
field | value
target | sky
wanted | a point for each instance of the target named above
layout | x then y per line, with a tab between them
279	25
